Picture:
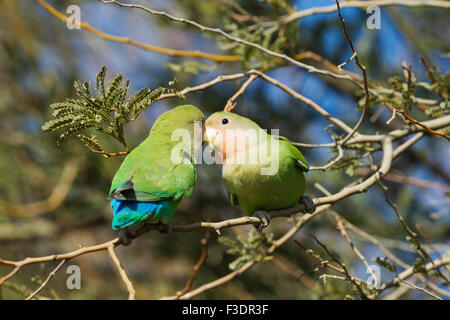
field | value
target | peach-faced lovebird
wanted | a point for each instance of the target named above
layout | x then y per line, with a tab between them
158	173
261	172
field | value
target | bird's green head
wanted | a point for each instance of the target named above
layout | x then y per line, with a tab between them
181	117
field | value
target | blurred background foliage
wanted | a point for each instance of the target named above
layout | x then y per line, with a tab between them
52	198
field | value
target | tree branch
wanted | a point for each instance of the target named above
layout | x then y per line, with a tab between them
122	273
363	69
227	36
170	52
364	4
411	271
231	102
51	275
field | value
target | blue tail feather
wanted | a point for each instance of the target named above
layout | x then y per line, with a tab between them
133	213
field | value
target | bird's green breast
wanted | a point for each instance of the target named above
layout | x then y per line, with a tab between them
256	191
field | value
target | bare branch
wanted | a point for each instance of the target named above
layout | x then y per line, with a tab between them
231	102
105	36
122	273
51	275
356	282
362	187
411	271
276	244
365	4
423	290
412	234
55	257
107	154
363	69
227	36
303	99
358	253
339	156
323	262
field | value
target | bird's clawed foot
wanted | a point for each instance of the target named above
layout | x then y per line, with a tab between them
125	236
164	228
264	217
308	203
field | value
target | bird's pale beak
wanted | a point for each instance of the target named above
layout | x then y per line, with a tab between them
210	136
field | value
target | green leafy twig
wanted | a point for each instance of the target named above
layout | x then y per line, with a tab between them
247	249
108	112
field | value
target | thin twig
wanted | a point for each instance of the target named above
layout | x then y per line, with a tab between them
429	71
422	232
331	163
376	89
409	230
55	257
216	226
327	64
364	4
295	272
51	275
231	102
377	243
227	36
122	273
358	253
389	254
412	270
107	154
197	266
314	106
275	244
352	279
363	70
323	262
423	290
348	61
414	121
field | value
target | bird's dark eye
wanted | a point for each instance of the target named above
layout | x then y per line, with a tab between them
225	121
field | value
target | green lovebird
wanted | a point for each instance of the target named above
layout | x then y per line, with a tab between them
261	172
158	173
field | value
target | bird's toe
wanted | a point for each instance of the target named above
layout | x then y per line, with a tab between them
308	203
264	217
164	228
125	236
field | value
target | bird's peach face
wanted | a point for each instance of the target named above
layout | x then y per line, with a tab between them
223	134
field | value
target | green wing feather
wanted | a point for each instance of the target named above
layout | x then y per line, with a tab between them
294	153
149	174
